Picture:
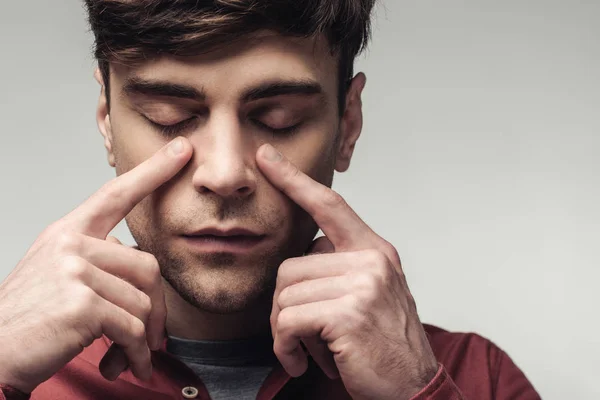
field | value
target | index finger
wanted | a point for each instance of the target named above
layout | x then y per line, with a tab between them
99	214
344	228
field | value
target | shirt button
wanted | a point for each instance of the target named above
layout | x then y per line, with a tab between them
189	392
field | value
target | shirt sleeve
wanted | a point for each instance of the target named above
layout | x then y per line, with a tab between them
10	393
441	387
510	384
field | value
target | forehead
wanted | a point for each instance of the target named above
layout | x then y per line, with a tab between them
231	70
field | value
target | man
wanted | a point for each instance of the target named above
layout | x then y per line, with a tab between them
225	121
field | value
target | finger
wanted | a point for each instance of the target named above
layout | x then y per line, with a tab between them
98	215
293	324
311	267
114	362
334	216
315	290
114	240
130	333
322	356
321	245
120	293
135	268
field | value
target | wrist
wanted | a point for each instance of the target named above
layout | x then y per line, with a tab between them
421	378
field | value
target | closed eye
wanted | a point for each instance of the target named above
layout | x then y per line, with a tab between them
173	129
287	130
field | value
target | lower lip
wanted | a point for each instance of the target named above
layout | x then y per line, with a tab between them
223	244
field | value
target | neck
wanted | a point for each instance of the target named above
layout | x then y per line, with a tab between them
188	322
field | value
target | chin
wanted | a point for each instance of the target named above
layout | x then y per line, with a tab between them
223	283
223	292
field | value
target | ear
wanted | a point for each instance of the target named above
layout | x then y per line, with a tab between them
103	118
351	123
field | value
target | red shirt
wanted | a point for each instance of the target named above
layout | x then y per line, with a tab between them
471	368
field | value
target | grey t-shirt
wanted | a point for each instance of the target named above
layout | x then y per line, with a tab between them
230	370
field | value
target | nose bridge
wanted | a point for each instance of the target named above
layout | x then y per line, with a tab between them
223	157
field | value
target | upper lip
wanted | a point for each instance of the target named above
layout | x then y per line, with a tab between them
213	231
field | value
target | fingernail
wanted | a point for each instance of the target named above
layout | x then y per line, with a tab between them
271	154
176	147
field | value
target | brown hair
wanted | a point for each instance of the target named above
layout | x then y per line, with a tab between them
130	31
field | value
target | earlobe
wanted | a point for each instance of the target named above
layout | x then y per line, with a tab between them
351	123
103	119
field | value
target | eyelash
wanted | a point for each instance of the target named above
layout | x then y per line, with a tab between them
279	131
170	130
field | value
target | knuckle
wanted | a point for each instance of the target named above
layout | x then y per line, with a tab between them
291	172
285	322
277	348
283	298
74	268
154	275
367	283
375	258
285	271
332	199
111	192
273	320
137	330
68	242
145	305
389	250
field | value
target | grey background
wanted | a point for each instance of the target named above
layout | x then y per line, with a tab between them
478	161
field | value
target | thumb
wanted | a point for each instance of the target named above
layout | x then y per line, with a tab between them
321	245
113	239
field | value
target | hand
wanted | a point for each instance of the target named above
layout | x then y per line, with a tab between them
73	286
350	306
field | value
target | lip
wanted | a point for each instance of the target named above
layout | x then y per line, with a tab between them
218	240
222	232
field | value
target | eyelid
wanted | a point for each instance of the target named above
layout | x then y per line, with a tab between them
288	130
279	115
167	113
172	129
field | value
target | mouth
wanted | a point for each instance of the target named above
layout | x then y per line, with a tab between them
214	240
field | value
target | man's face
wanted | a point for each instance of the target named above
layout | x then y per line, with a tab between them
219	229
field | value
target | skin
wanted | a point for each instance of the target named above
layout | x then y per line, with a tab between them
343	296
219	296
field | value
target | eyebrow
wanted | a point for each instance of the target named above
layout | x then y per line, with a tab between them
137	85
282	88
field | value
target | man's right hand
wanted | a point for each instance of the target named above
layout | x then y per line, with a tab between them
73	286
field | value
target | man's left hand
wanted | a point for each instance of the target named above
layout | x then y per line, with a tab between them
347	301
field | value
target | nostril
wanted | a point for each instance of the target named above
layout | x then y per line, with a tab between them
244	190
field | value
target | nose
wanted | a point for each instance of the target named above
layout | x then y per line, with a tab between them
225	161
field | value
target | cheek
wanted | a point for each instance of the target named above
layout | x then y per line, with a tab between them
133	143
150	220
314	155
